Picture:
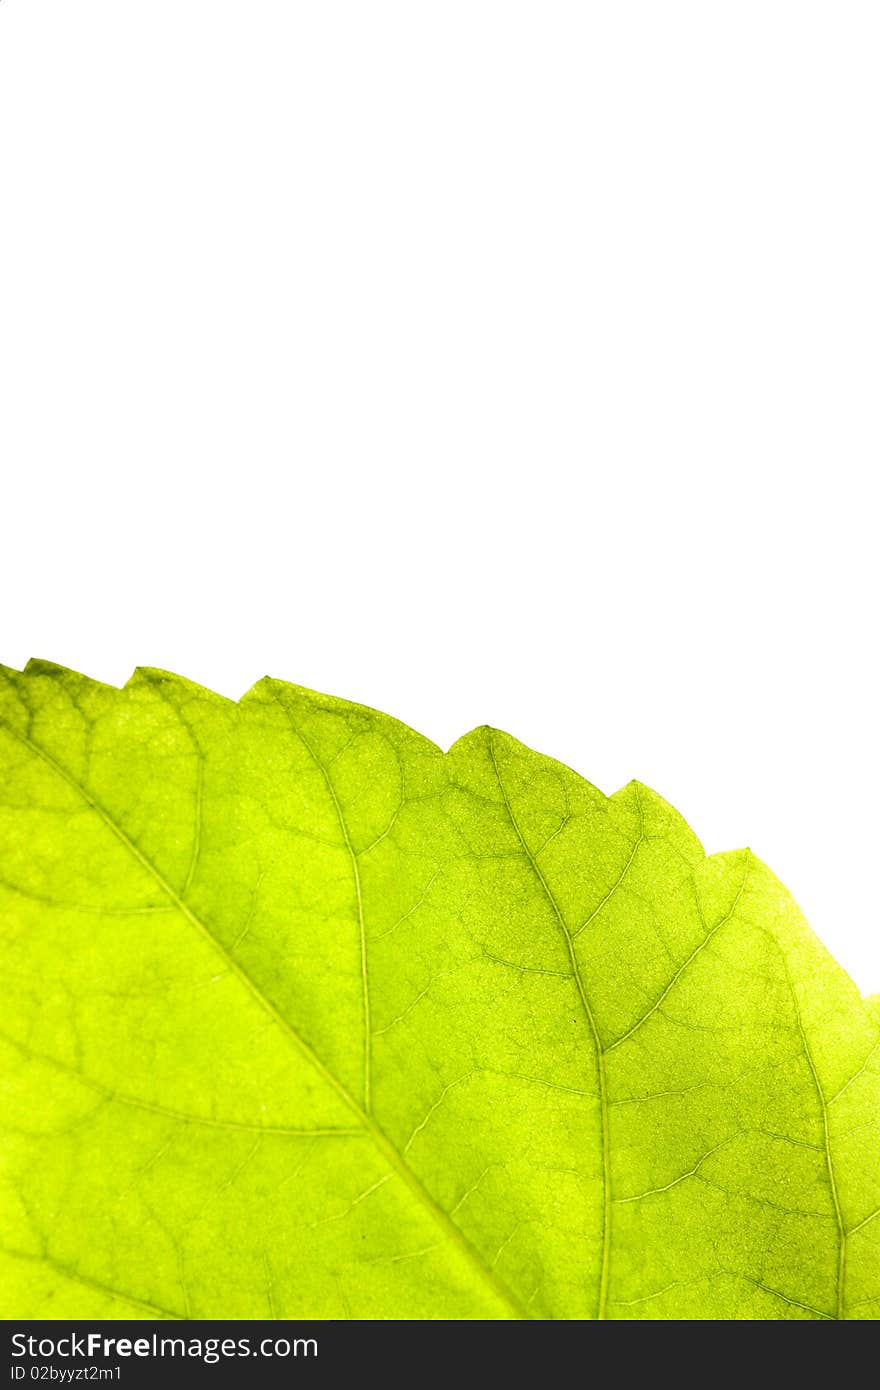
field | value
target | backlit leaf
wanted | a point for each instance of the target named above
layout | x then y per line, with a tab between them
303	1018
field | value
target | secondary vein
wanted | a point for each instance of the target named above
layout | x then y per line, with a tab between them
600	1055
359	901
829	1162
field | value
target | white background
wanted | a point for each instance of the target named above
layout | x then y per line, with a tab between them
509	363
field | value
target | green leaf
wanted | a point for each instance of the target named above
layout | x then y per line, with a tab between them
302	1018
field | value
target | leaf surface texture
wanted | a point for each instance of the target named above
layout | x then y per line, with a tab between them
302	1017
